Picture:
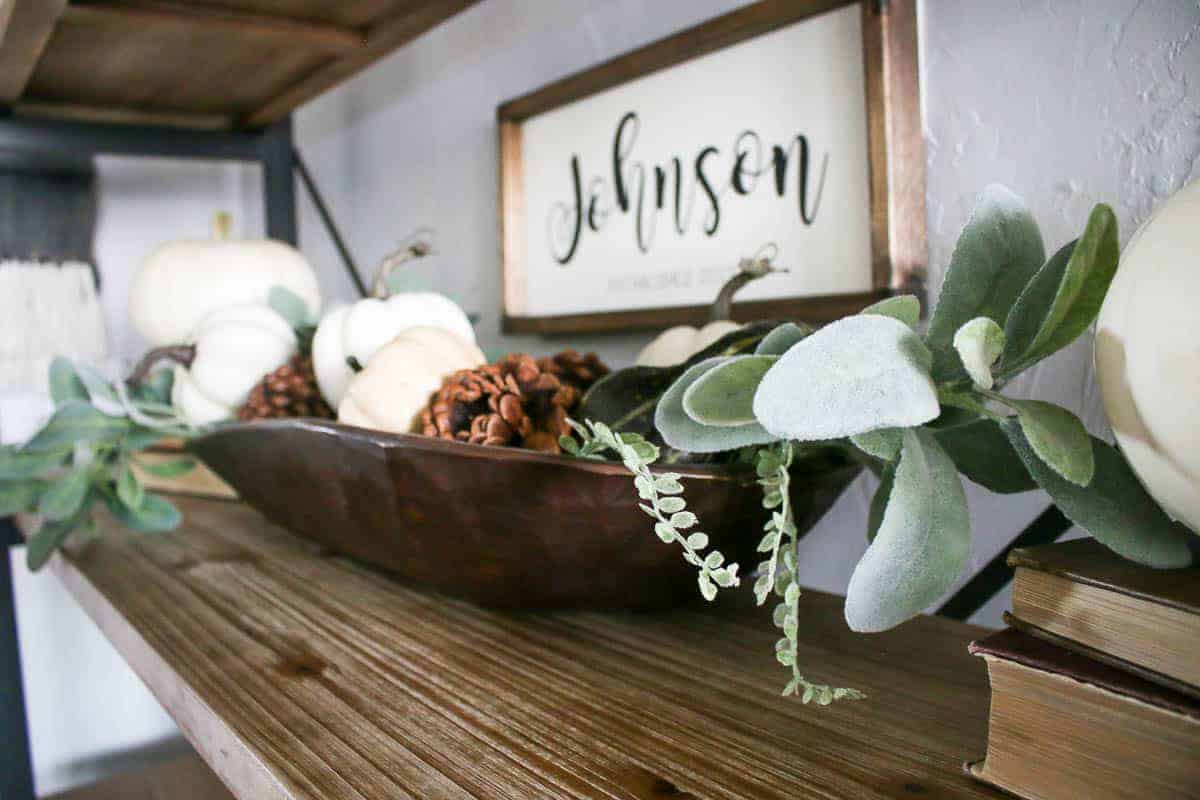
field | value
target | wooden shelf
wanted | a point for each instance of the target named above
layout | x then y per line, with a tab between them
204	64
296	674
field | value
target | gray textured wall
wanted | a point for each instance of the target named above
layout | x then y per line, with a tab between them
1068	102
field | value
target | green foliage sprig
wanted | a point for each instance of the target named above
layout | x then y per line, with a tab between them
85	455
663	500
87	452
920	410
777	574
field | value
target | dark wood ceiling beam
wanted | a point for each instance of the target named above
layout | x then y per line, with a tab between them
328	38
30	23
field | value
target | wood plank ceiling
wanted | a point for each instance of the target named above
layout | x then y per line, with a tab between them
213	64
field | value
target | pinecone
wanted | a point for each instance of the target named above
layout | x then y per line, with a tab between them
290	391
581	371
518	401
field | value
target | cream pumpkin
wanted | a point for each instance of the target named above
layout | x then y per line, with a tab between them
1148	359
234	348
361	329
676	345
182	282
393	388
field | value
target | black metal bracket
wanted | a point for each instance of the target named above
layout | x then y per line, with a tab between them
47	143
331	227
53	141
992	579
16	765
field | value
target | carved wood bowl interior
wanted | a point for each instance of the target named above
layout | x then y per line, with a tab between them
497	525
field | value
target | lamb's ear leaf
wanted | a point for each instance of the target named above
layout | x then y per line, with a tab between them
155	515
63	496
18	465
1029	312
883	444
905	307
855	375
51	535
288	305
65	384
983	454
922	542
1058	438
997	253
1059	306
724	395
129	489
77	421
100	392
684	433
780	340
1113	508
979	343
19	497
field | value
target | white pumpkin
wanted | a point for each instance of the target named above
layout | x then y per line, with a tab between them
1148	359
391	391
235	348
676	345
361	329
181	282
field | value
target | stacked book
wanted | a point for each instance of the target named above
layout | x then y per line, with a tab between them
1096	681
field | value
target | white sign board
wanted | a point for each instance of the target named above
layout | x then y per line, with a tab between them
646	195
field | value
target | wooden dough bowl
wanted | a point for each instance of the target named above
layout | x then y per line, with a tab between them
497	525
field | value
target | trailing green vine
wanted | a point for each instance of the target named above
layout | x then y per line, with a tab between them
782	537
663	500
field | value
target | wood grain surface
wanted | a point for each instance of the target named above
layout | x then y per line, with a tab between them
299	675
28	25
217	63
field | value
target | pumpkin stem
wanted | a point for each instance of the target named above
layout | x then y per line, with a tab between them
222	225
417	245
749	269
182	354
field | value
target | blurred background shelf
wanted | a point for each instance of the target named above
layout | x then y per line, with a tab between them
200	64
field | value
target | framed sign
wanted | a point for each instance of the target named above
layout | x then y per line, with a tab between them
630	191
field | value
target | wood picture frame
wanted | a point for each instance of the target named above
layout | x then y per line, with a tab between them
895	162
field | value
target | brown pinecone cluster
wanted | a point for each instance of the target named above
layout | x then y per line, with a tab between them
519	401
290	391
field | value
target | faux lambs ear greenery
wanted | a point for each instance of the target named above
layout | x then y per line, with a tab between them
919	410
87	454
